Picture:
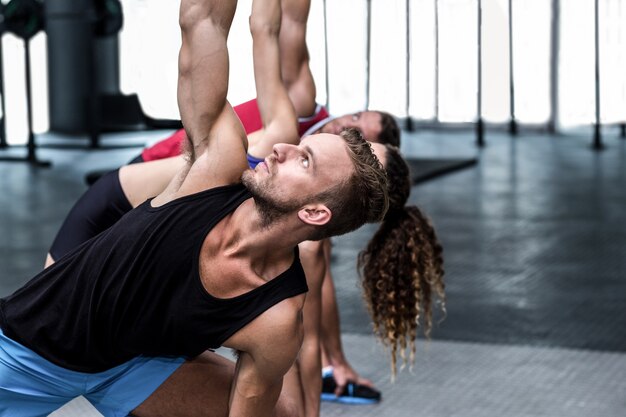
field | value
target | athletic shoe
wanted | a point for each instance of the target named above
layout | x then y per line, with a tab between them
353	393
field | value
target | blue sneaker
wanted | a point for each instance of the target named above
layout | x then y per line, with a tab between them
353	393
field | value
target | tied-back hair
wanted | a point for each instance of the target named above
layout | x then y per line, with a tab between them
402	269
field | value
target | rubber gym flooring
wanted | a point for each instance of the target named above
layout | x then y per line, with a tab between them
534	240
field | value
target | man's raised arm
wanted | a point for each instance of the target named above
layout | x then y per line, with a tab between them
207	117
294	60
280	123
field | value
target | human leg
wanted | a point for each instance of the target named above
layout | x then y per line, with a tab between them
97	209
117	391
30	386
106	201
200	387
294	61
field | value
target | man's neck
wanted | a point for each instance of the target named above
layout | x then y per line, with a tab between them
244	234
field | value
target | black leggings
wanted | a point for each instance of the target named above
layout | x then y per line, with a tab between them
102	205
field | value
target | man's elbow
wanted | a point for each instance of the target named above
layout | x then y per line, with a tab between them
279	131
217	13
264	28
192	13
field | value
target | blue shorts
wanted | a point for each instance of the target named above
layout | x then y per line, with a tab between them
31	386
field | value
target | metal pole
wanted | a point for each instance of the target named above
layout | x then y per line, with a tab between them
480	128
622	126
597	134
554	67
409	121
3	132
512	122
326	55
436	59
369	54
93	100
30	145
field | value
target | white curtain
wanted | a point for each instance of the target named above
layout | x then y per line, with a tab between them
150	41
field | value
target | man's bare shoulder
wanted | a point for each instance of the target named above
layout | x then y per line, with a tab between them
279	326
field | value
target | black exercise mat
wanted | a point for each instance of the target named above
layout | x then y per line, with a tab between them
423	169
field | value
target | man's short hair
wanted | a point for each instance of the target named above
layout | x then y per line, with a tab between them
389	130
361	198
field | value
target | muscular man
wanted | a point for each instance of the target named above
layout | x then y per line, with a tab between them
116	193
210	261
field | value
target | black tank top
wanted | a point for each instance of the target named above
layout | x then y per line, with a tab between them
135	290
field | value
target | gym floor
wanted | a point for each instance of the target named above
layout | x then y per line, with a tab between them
535	259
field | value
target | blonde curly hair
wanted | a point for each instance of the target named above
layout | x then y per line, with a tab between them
402	269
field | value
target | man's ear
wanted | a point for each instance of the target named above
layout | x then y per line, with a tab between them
315	214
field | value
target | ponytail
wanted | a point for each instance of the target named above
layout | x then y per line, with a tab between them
402	271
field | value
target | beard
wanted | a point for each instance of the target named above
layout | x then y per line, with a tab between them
270	207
